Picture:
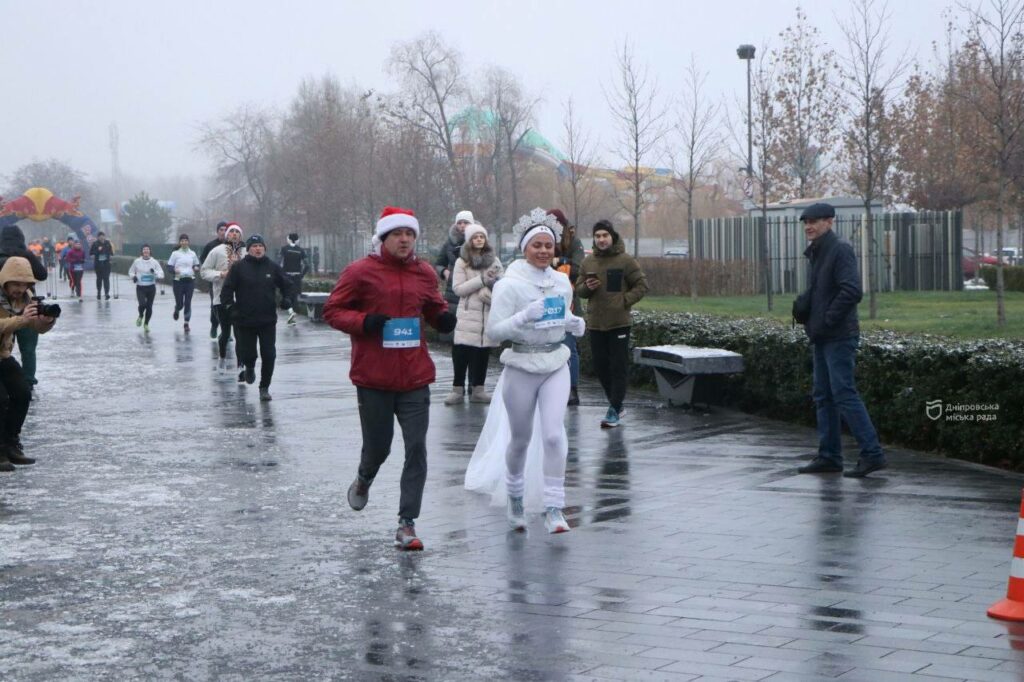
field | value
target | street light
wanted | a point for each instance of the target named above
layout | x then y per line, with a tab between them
746	53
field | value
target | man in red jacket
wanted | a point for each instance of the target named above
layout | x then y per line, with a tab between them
379	301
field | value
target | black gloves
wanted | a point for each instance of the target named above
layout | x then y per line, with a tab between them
286	303
446	323
374	323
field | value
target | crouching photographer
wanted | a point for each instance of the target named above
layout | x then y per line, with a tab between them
18	310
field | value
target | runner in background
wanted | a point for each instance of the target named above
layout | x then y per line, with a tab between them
102	251
145	272
295	263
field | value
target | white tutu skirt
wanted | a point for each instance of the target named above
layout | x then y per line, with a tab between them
486	470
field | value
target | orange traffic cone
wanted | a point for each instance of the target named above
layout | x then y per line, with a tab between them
1012	608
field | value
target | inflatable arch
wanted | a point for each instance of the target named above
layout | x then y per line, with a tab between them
39	204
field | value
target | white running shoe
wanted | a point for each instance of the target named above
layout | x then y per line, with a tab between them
291	318
554	521
516	516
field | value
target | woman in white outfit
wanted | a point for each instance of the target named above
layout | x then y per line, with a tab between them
531	308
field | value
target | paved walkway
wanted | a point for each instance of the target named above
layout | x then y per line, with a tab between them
177	528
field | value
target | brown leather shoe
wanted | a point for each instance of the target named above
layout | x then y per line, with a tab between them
15	455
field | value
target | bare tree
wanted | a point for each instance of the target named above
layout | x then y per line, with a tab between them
808	121
640	119
699	143
512	116
241	146
995	38
871	132
579	160
431	76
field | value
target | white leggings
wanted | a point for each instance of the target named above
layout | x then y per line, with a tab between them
523	393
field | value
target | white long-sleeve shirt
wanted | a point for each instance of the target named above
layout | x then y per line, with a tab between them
146	271
183	263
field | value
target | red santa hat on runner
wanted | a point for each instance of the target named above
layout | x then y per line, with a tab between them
392	218
236	227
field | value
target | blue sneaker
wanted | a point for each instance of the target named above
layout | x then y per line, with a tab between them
611	419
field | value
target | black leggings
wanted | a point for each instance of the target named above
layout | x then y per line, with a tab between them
15	395
610	353
183	289
224	324
473	359
245	349
103	278
146	295
75	279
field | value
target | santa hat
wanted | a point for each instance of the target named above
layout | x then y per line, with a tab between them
476	228
392	218
234	226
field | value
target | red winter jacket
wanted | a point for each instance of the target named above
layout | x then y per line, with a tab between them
385	285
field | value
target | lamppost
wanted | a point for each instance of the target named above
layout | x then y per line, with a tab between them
746	53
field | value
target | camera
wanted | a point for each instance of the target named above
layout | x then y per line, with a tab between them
46	309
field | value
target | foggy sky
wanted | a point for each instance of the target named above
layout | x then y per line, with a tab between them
158	69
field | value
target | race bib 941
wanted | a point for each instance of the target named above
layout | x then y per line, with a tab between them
402	332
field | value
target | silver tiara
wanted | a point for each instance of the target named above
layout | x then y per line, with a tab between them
537	216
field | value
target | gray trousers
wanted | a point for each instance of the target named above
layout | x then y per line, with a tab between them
377	413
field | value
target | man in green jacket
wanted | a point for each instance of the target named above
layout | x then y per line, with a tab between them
612	283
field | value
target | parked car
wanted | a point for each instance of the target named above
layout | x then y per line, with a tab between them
970	260
677	252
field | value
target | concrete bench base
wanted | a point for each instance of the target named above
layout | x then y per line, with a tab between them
314	303
676	368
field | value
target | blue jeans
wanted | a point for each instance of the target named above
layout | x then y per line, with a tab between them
836	398
574	360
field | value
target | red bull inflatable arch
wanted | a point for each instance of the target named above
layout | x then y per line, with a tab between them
39	204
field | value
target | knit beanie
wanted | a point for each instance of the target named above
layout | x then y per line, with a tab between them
606	225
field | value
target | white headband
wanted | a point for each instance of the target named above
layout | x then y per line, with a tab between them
533	232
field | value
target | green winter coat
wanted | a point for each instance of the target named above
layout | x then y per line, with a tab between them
622	284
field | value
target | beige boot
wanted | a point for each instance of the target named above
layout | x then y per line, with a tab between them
456	396
479	395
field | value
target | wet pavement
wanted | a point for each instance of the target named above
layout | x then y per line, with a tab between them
175	527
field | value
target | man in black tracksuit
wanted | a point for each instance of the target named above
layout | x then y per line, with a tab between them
295	263
222	228
248	297
101	251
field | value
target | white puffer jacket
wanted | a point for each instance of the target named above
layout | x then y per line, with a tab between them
522	285
474	305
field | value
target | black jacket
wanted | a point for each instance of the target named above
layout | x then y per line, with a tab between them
12	243
828	309
249	289
210	246
446	259
293	259
101	249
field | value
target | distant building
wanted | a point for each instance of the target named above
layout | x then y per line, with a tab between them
845	206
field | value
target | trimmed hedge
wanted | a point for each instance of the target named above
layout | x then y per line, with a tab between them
1013	277
896	374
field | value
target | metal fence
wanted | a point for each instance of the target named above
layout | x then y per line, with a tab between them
912	251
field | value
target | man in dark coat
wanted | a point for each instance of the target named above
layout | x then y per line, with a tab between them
248	295
210	246
828	311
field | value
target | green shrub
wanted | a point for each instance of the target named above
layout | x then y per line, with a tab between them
1013	277
896	375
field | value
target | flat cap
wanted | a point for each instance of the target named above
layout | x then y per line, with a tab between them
818	211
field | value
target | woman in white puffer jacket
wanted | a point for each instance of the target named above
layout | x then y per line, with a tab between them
531	307
473	276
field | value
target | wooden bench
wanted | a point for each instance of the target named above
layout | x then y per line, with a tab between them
314	303
676	368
